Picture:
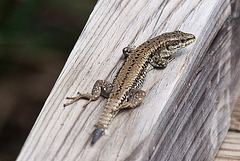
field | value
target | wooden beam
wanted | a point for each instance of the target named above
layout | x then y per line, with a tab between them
186	112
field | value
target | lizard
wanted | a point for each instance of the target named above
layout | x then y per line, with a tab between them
125	90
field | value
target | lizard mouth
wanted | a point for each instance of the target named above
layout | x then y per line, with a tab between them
190	39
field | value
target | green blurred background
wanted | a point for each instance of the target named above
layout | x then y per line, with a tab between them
36	38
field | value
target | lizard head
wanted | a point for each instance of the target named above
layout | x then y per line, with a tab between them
177	40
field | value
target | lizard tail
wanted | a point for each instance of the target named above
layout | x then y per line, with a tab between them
96	135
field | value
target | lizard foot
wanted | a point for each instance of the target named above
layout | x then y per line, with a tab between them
75	99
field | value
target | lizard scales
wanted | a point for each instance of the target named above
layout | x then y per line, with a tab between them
125	92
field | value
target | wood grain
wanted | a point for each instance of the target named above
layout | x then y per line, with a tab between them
186	112
230	148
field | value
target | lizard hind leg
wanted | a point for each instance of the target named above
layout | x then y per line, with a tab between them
128	50
100	88
136	98
80	96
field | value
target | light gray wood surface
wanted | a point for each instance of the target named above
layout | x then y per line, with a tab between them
185	115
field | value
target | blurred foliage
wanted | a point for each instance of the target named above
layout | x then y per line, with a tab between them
36	38
32	29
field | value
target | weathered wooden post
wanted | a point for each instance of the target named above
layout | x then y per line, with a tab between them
186	113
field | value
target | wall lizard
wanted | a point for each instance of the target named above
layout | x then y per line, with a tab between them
124	92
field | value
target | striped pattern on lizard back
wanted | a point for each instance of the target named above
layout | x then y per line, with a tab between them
132	73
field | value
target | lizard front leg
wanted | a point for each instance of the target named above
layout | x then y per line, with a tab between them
100	88
136	97
159	62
